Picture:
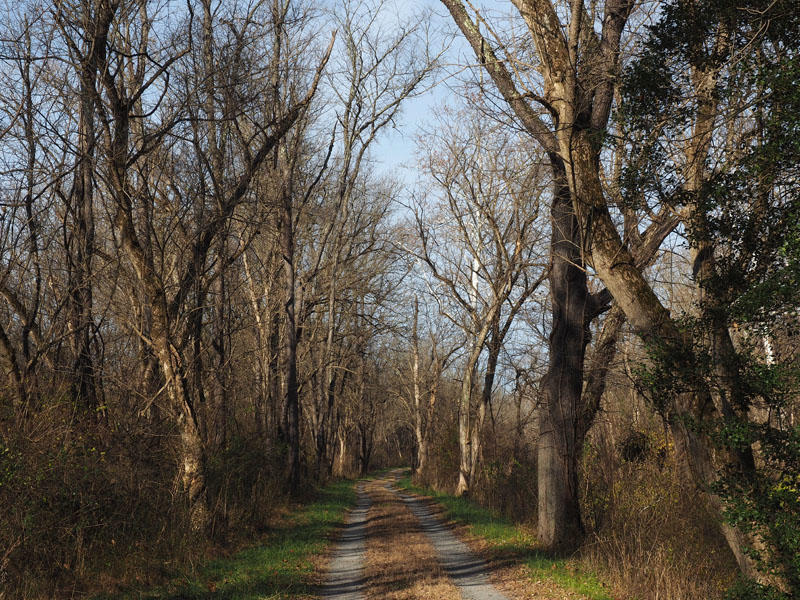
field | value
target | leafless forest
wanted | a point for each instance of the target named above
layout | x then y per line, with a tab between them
576	304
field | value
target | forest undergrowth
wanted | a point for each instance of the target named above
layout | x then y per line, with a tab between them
649	535
82	514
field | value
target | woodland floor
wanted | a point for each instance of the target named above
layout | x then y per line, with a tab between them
397	546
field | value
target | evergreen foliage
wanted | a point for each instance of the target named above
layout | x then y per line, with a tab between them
751	206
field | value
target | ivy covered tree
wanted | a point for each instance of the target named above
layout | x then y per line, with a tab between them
734	64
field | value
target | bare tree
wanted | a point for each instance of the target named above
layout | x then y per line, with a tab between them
564	102
120	96
426	377
490	213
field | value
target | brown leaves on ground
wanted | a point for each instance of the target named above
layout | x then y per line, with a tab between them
401	564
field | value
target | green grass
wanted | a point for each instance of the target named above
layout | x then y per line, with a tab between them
512	542
280	567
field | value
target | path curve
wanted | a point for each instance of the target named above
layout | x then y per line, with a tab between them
468	571
346	571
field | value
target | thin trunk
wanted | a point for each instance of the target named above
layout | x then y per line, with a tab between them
418	431
341	456
29	319
262	363
466	422
290	344
277	399
429	414
221	346
80	238
493	346
605	349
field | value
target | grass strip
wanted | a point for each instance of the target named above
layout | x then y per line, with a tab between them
509	540
280	567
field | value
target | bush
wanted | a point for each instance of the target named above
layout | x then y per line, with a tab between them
649	532
750	590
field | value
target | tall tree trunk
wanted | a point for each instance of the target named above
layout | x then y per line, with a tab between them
465	424
30	317
493	345
366	443
95	23
277	399
222	347
419	436
558	449
290	344
193	458
467	421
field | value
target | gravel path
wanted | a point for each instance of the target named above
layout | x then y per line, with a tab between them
469	572
466	570
346	571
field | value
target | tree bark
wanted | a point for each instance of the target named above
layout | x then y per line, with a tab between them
421	451
95	22
292	426
616	267
192	455
559	446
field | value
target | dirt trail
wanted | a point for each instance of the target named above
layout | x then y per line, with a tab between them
401	563
394	547
346	571
467	570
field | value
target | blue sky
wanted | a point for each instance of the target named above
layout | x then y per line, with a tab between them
395	150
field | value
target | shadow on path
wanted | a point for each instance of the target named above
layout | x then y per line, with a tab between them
468	572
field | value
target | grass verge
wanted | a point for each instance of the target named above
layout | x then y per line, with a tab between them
510	542
280	567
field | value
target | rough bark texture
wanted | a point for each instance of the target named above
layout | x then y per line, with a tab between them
95	21
624	279
192	448
559	446
559	515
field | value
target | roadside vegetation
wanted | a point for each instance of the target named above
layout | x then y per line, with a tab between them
286	563
577	304
507	542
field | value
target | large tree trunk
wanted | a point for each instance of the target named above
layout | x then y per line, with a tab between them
559	445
